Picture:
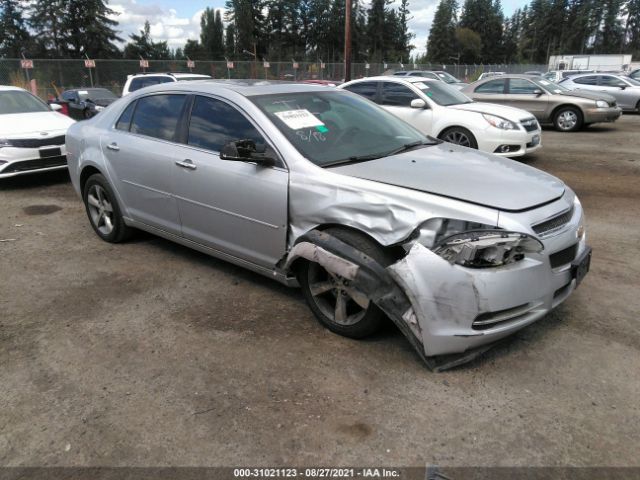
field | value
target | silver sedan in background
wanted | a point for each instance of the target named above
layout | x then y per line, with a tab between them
624	89
321	188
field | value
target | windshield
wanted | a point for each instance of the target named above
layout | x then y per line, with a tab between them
16	101
337	127
447	77
95	93
550	86
442	94
632	81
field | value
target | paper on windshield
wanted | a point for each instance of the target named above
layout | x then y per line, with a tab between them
297	119
421	85
543	82
83	92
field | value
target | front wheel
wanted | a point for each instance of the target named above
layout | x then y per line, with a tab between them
335	302
103	210
459	136
568	119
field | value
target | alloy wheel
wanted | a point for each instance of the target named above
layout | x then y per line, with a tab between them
336	298
100	209
567	120
458	138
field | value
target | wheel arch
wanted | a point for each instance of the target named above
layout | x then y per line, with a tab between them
395	250
85	173
565	105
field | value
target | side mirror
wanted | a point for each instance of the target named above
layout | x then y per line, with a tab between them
538	92
418	103
622	87
55	107
246	151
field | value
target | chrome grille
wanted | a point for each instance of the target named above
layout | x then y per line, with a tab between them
554	223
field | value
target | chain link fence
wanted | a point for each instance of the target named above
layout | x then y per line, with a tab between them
61	74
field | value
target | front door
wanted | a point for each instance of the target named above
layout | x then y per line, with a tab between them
397	98
238	208
522	94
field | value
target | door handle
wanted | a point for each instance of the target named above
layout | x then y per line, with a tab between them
113	146
186	163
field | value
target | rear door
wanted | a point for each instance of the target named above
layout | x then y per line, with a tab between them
141	151
493	91
238	208
521	93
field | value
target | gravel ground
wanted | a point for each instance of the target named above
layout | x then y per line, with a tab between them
148	353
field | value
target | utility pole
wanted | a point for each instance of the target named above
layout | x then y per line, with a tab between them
347	41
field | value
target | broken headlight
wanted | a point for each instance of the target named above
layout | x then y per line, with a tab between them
487	248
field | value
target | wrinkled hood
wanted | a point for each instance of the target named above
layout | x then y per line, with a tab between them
103	102
589	94
457	172
510	113
28	125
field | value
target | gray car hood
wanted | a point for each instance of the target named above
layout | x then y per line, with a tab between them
464	174
589	95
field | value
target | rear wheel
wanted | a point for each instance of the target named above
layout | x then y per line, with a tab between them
459	136
335	302
103	210
568	119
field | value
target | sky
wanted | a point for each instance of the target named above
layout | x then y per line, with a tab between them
178	21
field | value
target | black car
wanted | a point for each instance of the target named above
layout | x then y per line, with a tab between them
86	102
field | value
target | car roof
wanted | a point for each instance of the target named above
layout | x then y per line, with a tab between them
6	88
391	78
170	74
246	88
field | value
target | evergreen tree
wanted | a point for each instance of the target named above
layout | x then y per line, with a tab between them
143	46
88	30
230	41
441	45
14	37
47	21
212	33
194	50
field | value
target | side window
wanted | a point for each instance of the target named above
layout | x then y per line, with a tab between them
157	116
493	86
588	80
520	86
397	95
214	123
124	122
609	81
366	89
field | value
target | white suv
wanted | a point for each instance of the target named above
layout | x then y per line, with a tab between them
141	80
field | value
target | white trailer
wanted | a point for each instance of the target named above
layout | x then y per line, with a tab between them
589	62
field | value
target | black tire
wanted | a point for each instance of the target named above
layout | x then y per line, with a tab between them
101	205
86	113
459	136
365	322
568	119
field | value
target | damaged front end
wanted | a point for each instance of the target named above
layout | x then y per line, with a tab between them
445	297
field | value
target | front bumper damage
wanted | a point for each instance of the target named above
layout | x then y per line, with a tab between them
449	314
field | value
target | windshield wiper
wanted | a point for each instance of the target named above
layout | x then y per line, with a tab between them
375	156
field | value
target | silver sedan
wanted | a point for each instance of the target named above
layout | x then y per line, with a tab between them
625	89
320	188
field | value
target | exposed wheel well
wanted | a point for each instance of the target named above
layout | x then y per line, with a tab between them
396	251
85	174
